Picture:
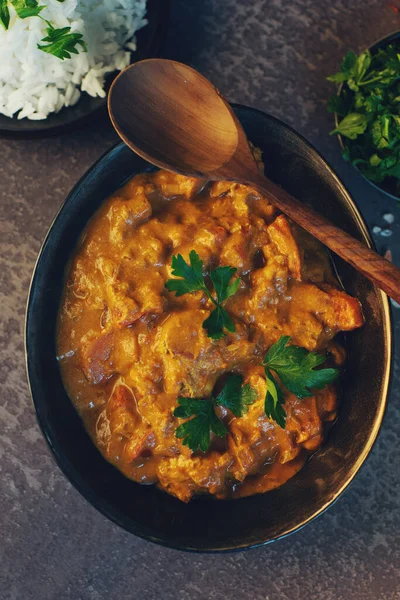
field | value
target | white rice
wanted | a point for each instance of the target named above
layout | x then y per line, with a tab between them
34	84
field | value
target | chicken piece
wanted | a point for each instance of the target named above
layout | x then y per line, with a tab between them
146	249
107	267
124	215
95	357
86	287
138	185
191	360
185	475
239	352
304	327
121	411
106	354
303	421
173	184
235	252
128	296
221	188
282	263
269	282
125	351
122	310
140	444
132	296
121	428
345	312
231	212
285	245
315	315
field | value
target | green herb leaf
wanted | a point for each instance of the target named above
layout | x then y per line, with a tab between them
337	77
295	367
349	63
217	322
62	43
193	281
374	160
221	278
196	431
192	276
362	65
380	131
274	400
351	126
235	396
373	103
26	8
348	69
4	14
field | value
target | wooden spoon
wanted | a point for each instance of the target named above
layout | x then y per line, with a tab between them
172	116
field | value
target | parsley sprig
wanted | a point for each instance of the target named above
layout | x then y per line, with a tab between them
369	108
62	43
295	367
196	431
192	280
59	42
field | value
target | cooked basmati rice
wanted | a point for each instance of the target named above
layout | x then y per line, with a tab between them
34	84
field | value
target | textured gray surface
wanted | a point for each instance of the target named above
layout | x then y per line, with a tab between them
274	55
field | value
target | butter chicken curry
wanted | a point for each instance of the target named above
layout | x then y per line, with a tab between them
173	383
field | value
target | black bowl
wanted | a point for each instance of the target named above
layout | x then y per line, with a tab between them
206	524
150	41
385	187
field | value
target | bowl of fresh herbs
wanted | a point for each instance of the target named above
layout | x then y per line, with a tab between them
367	112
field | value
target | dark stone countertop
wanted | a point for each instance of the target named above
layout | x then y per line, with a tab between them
273	55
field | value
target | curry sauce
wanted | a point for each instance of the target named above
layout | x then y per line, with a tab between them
128	348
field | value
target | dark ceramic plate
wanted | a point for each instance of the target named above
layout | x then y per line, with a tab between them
388	186
150	41
206	524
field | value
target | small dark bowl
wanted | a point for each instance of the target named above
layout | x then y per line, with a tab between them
150	41
392	38
206	524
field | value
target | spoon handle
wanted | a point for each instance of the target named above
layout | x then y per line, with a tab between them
380	271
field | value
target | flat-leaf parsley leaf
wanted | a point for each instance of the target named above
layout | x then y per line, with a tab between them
196	431
236	396
61	43
295	367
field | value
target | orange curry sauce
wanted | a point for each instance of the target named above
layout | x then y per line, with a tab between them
128	348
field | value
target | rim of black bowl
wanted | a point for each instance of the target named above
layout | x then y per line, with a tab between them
150	43
382	42
81	485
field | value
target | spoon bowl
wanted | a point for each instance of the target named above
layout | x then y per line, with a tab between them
172	142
